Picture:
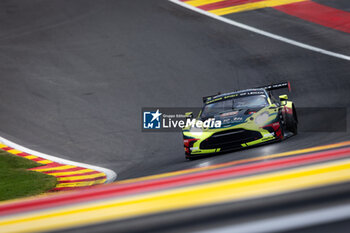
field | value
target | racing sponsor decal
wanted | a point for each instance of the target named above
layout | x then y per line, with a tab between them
229	114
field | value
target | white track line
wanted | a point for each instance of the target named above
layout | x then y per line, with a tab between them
289	222
261	32
111	175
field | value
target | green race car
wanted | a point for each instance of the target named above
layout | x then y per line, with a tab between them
242	118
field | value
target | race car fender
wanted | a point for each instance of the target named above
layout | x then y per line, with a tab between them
289	108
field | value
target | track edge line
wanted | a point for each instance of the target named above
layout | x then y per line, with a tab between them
262	32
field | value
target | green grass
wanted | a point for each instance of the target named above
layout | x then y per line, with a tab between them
16	181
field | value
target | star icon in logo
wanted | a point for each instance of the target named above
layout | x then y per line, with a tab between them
156	115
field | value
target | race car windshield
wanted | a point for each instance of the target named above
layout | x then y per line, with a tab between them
234	104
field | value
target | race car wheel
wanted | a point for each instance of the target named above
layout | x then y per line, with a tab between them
292	122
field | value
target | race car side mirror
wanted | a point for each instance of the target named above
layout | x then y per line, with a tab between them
189	114
283	99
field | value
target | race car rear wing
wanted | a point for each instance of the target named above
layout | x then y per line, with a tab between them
205	98
267	88
277	86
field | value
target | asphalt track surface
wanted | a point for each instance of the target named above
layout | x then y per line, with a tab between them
75	75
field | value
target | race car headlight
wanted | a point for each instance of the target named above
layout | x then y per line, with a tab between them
196	131
261	119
